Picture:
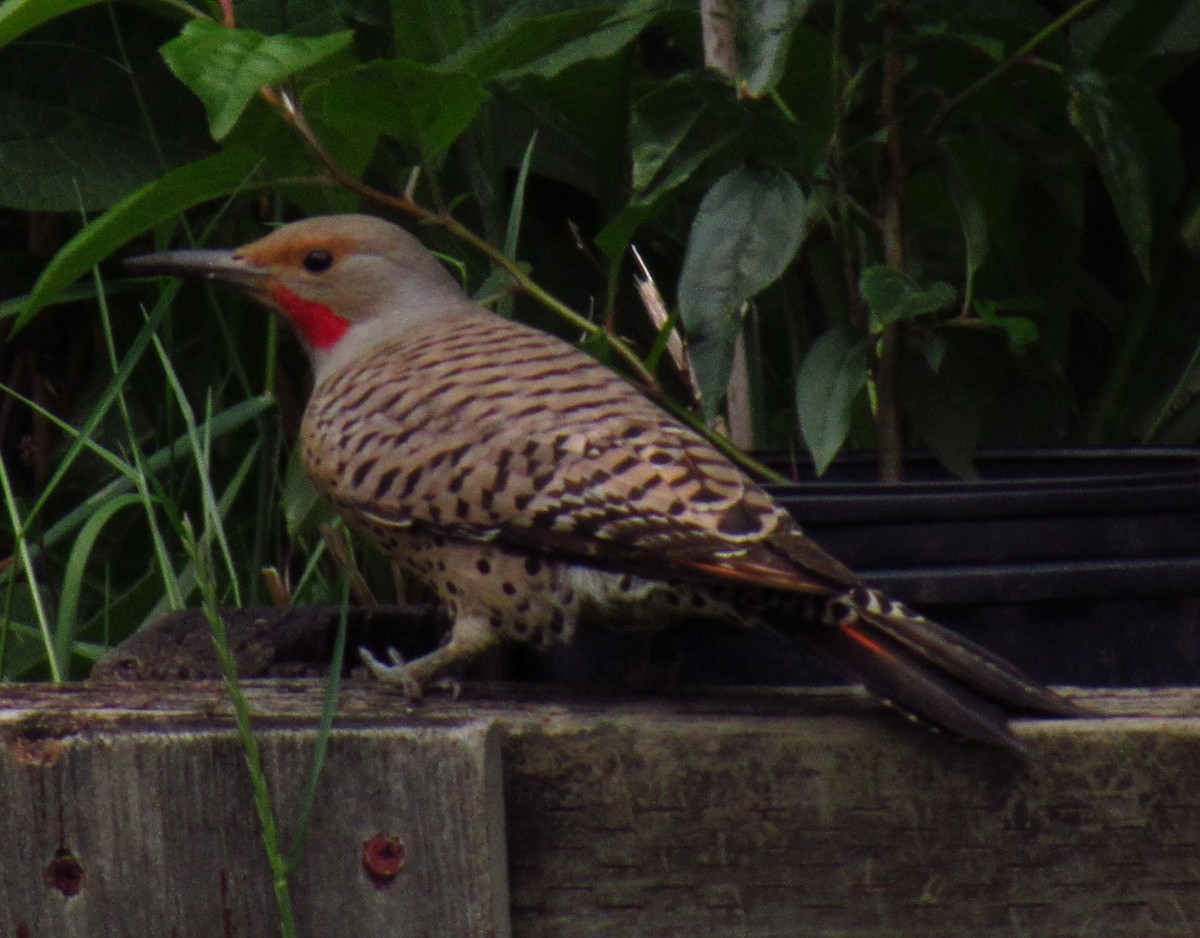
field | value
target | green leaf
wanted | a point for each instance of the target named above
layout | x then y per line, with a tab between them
413	103
72	135
932	346
660	122
63	159
24	649
226	68
517	40
429	30
614	237
1119	36
1120	157
748	229
805	89
302	17
209	178
512	231
614	34
971	219
303	507
990	46
674	129
766	34
75	572
946	408
830	379
17	17
1020	330
893	296
520	45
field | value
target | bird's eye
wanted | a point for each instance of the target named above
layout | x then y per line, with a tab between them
318	261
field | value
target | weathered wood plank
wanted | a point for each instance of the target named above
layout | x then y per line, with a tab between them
839	826
733	813
162	823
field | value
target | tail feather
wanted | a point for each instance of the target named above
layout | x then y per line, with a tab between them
928	671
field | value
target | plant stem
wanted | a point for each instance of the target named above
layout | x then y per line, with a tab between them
1023	53
263	805
25	560
887	367
324	731
855	309
406	206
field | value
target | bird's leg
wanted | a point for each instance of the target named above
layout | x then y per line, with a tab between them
469	636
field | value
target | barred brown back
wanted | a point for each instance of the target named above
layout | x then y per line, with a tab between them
477	425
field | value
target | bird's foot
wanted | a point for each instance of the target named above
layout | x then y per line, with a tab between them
398	674
411	678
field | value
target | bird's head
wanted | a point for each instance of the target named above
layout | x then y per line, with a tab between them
338	279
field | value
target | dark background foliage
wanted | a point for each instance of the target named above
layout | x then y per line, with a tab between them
905	224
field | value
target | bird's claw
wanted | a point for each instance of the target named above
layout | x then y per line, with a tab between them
396	674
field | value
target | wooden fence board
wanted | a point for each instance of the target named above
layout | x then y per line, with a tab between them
738	813
162	823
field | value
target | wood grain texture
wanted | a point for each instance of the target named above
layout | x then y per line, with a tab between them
729	813
161	820
841	826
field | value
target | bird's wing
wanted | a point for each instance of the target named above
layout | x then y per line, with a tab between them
617	482
488	429
660	493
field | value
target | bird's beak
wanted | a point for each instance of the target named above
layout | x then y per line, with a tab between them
226	266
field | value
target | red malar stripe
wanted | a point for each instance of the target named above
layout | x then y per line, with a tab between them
318	325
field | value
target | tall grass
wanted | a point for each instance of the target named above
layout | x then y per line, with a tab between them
125	529
105	532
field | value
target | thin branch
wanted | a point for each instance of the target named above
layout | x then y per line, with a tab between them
843	85
887	371
405	205
1021	55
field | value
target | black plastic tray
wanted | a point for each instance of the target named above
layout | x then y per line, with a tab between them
1083	565
1038	526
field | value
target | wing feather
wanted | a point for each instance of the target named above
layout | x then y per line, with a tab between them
558	455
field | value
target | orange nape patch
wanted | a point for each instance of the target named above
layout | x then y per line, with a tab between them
318	325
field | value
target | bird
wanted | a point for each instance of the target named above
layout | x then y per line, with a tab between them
535	490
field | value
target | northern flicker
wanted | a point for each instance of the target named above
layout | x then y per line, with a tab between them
532	488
